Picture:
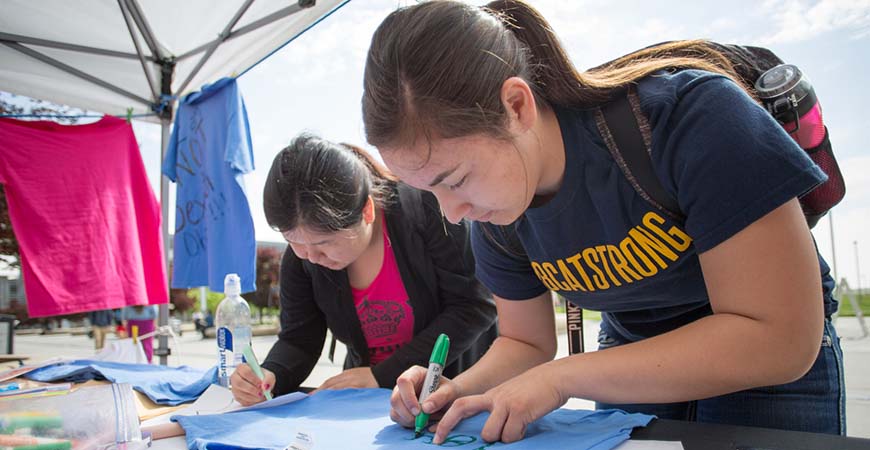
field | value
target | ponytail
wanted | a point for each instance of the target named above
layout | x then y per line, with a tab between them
554	77
560	83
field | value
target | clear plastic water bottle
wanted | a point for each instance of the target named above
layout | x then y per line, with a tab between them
233	325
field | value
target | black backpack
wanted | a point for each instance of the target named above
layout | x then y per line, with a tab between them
631	149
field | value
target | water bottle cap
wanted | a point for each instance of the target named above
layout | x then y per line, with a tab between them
778	80
785	90
232	284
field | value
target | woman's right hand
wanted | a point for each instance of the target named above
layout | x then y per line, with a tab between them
247	388
404	406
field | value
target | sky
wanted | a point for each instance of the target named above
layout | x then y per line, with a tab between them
315	83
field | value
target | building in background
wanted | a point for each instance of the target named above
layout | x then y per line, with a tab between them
11	292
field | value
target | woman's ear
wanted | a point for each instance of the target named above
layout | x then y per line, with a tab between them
519	102
369	211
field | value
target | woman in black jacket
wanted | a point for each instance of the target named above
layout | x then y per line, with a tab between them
370	259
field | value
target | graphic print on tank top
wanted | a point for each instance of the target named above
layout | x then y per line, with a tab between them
385	316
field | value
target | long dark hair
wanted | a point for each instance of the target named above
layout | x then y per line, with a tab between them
323	185
436	69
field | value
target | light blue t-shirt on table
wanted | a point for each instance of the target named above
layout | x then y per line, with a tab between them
209	152
360	419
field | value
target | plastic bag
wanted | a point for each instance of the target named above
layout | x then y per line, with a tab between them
123	351
90	418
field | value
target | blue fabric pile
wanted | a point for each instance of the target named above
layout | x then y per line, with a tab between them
163	385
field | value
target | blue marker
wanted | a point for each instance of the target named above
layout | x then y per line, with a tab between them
433	378
10	387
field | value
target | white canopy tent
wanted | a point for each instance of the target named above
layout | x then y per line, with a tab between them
136	58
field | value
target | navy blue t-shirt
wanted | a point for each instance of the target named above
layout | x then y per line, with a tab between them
603	247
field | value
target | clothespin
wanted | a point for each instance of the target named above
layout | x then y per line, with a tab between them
129	114
134	332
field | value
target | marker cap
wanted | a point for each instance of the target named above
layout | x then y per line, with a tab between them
439	352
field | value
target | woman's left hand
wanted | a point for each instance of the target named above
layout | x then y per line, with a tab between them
359	377
513	405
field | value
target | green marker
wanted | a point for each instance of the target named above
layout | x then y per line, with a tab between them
433	377
10	423
255	366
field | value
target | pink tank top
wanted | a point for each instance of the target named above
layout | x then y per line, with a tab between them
386	318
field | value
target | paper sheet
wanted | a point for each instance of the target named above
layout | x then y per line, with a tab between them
218	399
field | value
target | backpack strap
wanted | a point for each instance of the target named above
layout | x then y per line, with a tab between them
626	132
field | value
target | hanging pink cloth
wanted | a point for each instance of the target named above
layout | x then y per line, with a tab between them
84	214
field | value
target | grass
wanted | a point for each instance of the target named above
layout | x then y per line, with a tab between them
846	309
587	314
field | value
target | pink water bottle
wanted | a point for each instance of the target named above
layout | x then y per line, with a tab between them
789	97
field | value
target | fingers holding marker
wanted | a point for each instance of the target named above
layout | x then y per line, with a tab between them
245	390
404	397
399	413
268	380
441	398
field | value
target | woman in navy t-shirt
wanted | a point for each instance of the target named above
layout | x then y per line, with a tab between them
722	317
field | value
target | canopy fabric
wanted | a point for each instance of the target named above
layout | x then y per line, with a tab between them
102	40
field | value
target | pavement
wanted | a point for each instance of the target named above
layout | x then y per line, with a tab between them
192	350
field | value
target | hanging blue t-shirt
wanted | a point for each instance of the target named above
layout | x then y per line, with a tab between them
360	419
603	247
209	152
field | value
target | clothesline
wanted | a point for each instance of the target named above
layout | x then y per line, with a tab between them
76	116
158	108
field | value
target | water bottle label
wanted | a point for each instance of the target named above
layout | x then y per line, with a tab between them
225	339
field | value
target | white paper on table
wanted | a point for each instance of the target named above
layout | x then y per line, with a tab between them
123	351
277	401
650	445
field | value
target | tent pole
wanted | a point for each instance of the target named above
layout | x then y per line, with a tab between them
167	70
163	316
139	53
66	46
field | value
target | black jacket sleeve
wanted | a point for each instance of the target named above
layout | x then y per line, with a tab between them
303	328
466	307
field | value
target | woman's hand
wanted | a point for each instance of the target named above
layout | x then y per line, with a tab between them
513	405
359	377
247	388
404	406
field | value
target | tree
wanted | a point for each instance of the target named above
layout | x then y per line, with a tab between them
268	263
183	299
10	255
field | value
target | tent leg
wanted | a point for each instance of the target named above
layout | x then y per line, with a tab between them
163	317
